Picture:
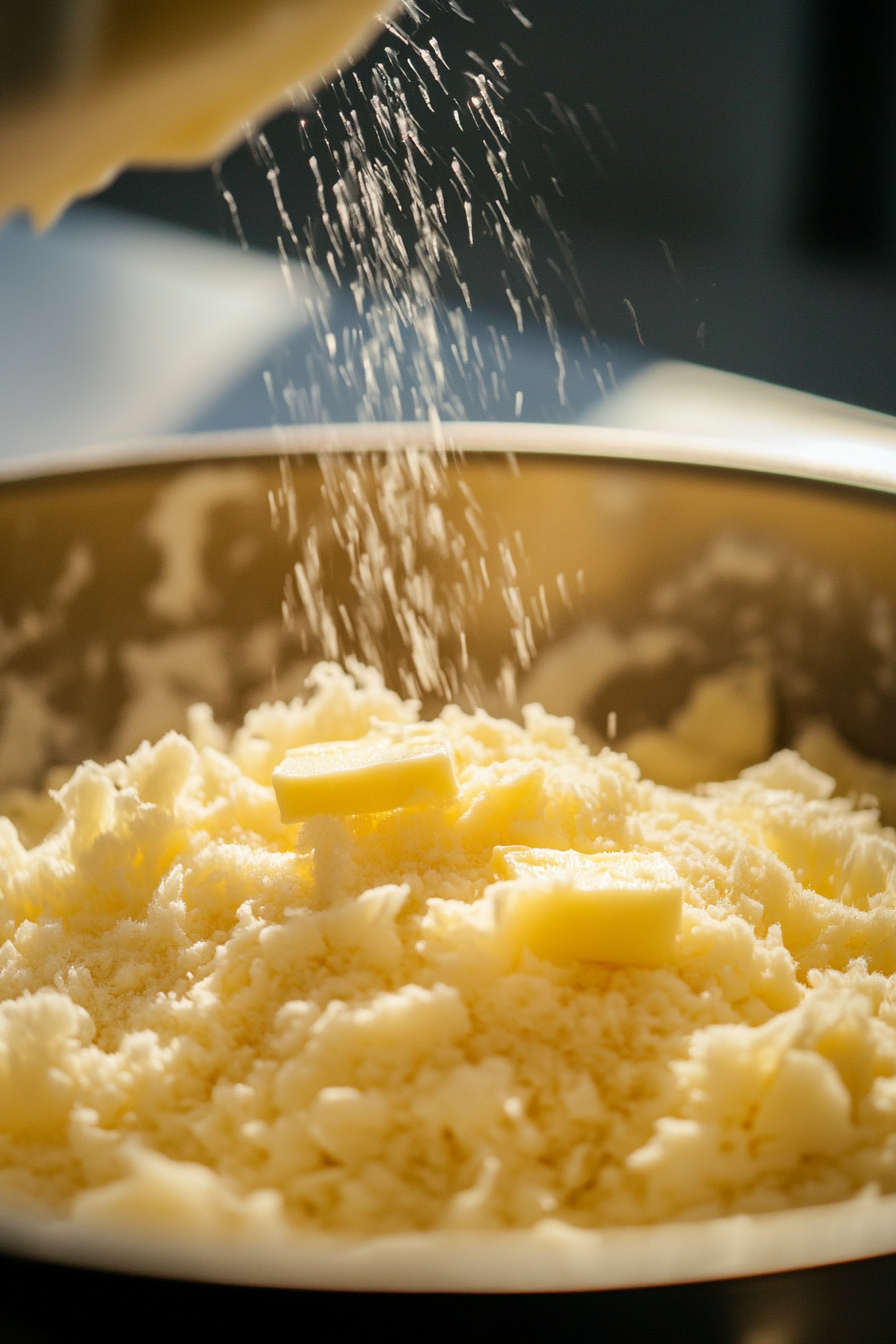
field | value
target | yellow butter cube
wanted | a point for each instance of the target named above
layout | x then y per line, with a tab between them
619	908
348	778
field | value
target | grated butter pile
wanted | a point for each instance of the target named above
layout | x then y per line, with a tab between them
541	988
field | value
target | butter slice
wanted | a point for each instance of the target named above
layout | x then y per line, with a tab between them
348	778
624	909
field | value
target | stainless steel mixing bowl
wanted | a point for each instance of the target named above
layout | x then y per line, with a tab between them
153	575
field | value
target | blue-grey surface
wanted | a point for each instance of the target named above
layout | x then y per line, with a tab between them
117	328
114	328
507	376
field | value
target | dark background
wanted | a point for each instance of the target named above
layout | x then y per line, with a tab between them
737	187
45	1304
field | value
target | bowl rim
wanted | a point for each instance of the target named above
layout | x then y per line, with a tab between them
826	458
552	1256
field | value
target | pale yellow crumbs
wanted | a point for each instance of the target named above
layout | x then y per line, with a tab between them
366	974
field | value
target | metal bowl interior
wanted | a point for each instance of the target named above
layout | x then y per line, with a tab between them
130	589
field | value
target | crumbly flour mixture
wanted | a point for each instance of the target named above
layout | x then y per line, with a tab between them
210	1020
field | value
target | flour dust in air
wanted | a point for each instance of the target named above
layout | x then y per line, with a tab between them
390	307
